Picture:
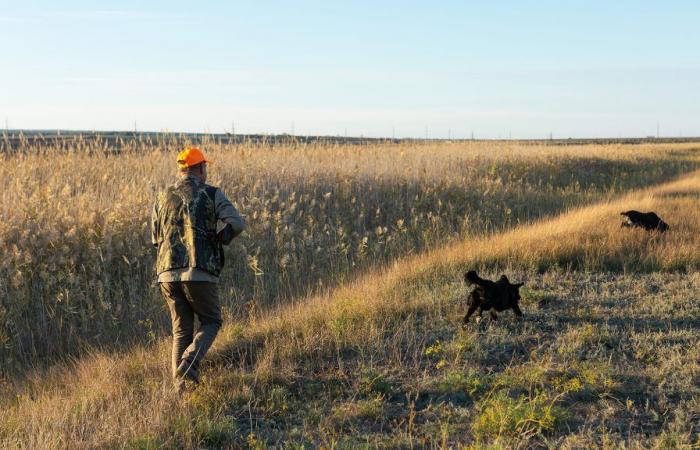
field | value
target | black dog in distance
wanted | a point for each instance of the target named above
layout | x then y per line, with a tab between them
492	296
649	221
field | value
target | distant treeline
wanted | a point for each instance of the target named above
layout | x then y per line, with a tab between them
14	140
18	140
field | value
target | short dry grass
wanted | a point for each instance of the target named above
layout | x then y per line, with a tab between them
607	356
76	268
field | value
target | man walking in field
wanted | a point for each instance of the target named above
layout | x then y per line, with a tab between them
190	258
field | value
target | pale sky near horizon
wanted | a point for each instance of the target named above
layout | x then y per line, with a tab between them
519	69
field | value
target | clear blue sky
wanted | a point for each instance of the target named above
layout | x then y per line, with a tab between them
518	68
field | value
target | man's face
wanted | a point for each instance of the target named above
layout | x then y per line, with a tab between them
204	172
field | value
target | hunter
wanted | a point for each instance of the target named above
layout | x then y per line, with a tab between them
191	222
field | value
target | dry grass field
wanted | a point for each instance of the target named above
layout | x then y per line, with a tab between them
344	300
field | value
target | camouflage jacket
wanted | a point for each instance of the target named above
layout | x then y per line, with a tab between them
184	225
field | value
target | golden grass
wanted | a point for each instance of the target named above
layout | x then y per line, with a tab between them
77	266
389	317
591	237
588	237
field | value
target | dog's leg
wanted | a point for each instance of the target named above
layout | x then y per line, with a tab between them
494	316
474	303
516	310
470	311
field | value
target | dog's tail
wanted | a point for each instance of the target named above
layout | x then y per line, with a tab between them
472	278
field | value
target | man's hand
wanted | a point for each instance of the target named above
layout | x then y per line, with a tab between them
226	235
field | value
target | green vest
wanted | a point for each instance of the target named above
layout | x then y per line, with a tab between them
186	217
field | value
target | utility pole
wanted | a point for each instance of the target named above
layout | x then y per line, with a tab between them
393	133
472	135
292	128
657	129
426	132
449	134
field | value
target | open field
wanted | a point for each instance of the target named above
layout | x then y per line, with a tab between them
19	139
77	264
359	344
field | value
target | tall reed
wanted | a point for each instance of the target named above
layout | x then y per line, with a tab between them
76	265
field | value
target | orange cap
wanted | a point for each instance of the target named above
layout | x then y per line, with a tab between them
190	156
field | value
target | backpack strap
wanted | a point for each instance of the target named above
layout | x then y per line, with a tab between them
211	193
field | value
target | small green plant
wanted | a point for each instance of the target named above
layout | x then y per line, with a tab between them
536	297
436	349
370	410
480	446
151	336
584	339
148	442
371	382
456	381
278	400
254	442
502	416
215	431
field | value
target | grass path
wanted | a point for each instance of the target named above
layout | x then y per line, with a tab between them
607	355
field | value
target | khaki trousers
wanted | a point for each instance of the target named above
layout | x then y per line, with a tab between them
185	299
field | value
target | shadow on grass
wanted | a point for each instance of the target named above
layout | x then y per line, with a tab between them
41	334
635	324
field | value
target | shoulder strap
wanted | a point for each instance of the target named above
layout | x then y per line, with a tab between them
211	192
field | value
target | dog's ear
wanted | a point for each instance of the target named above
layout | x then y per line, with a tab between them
519	285
504	278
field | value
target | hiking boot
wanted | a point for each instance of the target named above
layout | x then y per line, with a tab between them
188	371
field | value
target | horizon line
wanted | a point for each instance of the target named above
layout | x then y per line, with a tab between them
548	137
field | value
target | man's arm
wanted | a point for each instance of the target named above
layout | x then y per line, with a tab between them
155	228
227	213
